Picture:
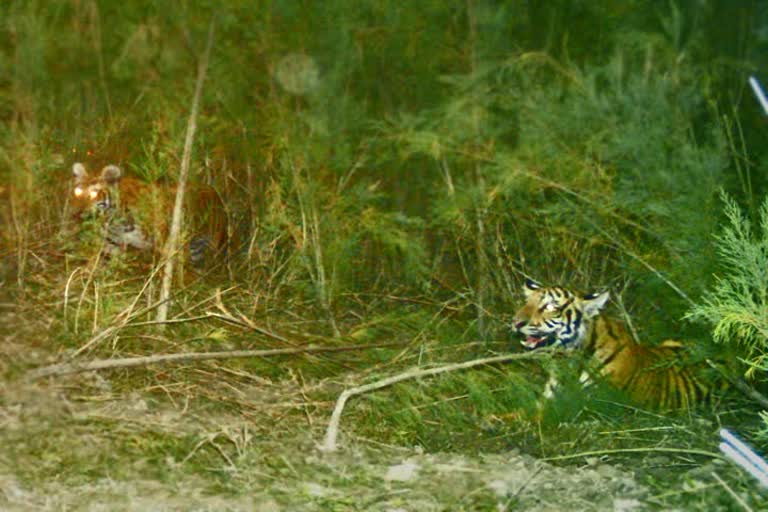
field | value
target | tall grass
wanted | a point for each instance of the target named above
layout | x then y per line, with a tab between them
423	161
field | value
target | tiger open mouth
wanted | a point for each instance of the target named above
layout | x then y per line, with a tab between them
534	342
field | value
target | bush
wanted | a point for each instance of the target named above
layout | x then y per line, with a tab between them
737	306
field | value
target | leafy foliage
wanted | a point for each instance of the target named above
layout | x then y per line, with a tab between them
737	306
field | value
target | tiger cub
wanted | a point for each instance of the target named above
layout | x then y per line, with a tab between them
651	376
137	214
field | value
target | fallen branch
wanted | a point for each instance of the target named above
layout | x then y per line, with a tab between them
329	445
129	362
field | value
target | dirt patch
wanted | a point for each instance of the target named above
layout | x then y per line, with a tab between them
254	472
378	480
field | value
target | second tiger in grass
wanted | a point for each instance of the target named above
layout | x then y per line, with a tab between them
654	376
136	214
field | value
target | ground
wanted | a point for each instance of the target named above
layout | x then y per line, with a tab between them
363	475
80	443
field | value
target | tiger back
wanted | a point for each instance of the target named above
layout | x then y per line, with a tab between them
657	377
136	214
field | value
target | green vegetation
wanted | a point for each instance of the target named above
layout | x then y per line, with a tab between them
736	305
392	172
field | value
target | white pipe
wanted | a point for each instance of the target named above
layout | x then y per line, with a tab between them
759	93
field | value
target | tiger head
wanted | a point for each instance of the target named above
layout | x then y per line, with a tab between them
92	195
555	315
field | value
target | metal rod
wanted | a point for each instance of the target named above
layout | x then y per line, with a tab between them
759	93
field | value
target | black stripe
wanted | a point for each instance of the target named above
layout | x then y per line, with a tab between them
591	343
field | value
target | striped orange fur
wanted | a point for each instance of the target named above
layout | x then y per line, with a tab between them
137	214
655	376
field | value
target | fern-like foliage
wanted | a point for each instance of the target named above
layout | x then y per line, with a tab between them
737	306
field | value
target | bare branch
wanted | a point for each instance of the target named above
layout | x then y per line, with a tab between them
171	247
129	362
329	445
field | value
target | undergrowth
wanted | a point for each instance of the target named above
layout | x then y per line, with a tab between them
391	175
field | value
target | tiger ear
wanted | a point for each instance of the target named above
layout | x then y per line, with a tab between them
594	302
530	287
111	174
79	172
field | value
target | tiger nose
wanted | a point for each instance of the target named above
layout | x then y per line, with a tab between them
519	324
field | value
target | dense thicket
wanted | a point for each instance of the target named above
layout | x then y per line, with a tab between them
439	149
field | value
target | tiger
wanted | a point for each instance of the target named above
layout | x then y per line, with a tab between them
654	377
136	214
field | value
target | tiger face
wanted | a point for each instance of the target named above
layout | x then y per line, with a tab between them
93	194
136	214
111	198
555	316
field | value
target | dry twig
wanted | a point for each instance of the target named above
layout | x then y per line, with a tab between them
332	432
173	237
128	362
649	449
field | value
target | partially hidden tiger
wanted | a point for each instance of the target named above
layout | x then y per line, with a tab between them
652	376
136	214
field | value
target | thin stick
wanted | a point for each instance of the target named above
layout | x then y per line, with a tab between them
515	497
625	314
66	291
656	272
332	432
686	451
173	237
733	494
242	321
122	319
741	385
620	245
129	362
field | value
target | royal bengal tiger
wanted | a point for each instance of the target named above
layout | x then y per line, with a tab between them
652	376
137	214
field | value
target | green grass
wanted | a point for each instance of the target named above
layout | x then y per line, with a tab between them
446	153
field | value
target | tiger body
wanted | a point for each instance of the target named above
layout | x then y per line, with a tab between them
652	376
137	214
